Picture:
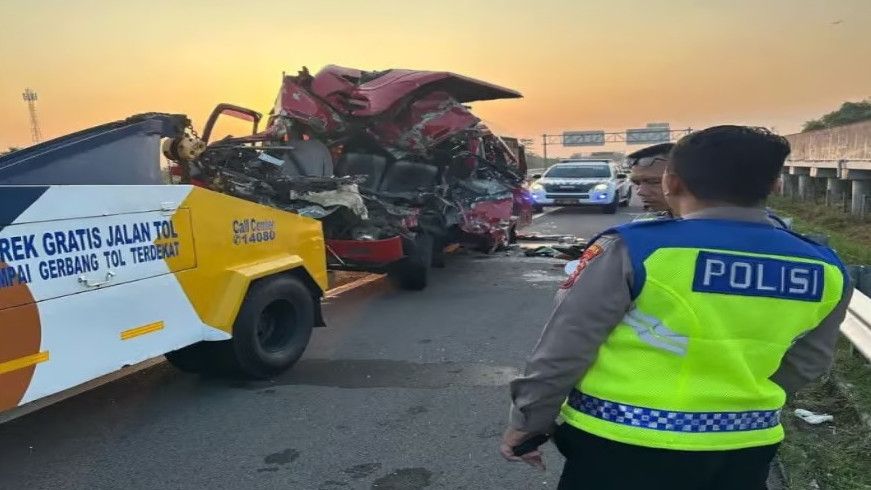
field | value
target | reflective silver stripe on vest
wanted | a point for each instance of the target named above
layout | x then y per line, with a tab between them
666	420
652	216
652	332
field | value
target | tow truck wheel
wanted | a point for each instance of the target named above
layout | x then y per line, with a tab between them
411	273
273	327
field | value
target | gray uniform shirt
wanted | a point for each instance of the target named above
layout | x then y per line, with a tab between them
586	313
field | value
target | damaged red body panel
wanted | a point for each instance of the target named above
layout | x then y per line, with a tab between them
296	102
428	170
490	220
371	252
409	113
374	97
424	124
336	96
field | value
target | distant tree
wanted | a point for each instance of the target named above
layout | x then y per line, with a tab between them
850	112
813	125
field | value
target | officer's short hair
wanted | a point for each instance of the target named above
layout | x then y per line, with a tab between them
732	164
661	149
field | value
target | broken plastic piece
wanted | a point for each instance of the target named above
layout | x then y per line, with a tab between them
570	251
542	252
813	418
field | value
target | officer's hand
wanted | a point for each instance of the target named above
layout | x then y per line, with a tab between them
513	438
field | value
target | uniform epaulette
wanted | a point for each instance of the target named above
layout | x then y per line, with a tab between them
631	225
639	224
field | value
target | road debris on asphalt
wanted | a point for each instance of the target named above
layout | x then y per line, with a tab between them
538	237
813	418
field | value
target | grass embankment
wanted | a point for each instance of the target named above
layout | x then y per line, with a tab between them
850	236
834	455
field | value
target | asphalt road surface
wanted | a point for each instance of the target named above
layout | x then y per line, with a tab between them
403	390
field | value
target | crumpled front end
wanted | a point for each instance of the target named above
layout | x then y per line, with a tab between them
426	123
409	159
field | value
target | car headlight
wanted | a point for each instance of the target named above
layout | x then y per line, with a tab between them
601	187
536	187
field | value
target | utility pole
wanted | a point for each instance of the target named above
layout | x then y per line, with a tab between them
30	97
544	147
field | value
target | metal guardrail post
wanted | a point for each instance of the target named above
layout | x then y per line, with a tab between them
857	324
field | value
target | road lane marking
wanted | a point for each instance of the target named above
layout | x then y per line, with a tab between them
344	288
545	212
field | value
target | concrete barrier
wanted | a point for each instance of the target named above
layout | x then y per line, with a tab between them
837	159
850	142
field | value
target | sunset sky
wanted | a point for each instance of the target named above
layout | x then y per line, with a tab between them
581	64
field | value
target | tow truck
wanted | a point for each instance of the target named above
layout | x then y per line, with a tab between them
104	266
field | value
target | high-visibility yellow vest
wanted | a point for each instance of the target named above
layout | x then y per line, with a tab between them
716	306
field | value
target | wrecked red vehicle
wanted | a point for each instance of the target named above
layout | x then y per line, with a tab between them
392	162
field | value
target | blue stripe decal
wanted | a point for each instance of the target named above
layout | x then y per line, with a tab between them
14	200
745	275
645	237
670	421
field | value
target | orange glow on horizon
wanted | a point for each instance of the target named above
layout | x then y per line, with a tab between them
597	64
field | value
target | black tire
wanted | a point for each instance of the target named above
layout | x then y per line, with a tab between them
486	245
273	327
438	253
611	208
537	208
412	272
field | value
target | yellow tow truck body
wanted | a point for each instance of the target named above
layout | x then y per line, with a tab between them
94	278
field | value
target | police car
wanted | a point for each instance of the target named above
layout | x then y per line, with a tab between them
582	183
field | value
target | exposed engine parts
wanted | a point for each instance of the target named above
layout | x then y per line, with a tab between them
373	155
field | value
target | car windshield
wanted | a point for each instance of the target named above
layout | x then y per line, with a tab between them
579	171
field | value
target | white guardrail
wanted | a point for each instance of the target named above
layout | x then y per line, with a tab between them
857	324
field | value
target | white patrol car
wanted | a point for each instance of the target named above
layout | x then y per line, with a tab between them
582	183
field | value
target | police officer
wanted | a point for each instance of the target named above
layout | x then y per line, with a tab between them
646	168
677	341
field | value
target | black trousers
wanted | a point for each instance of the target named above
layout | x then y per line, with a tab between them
594	463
